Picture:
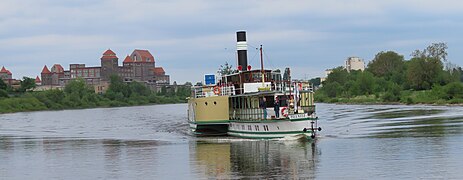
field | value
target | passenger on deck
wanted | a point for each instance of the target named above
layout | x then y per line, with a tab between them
263	106
276	107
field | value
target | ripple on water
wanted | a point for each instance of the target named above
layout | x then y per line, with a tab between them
394	121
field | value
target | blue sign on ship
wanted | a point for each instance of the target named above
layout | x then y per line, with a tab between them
209	79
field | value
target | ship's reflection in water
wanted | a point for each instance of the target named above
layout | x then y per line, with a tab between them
255	159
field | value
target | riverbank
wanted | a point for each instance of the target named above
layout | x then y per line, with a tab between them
31	102
426	97
78	95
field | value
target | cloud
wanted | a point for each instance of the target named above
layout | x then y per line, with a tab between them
200	34
57	41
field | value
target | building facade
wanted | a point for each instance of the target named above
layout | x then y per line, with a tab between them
354	63
139	66
5	75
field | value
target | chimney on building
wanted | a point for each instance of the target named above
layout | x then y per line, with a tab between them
242	48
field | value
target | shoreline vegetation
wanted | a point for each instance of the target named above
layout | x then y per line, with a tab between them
78	95
427	78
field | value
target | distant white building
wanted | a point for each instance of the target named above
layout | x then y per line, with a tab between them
327	72
354	63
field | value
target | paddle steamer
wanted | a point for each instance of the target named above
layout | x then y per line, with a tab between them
253	103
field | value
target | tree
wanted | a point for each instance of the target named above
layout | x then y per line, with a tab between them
118	86
339	75
78	87
366	83
3	85
435	50
139	89
332	89
315	81
226	69
454	90
3	93
386	64
26	84
422	73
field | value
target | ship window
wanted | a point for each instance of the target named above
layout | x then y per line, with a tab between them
242	127
215	103
205	103
249	127
278	127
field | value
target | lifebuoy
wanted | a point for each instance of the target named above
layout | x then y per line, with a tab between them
284	111
217	90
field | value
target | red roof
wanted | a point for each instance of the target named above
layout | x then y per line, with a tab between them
158	71
145	54
45	70
8	72
3	70
128	59
109	54
37	80
57	68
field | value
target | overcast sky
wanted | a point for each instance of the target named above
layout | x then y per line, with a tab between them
192	38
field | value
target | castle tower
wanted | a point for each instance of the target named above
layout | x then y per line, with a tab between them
38	82
46	76
109	65
143	63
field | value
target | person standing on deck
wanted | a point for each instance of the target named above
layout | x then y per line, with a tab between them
276	108
263	106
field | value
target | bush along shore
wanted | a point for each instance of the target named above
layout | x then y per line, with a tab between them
427	78
78	95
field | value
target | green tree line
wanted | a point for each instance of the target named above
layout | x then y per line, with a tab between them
77	94
428	77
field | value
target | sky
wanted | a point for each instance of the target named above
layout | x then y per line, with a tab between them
190	38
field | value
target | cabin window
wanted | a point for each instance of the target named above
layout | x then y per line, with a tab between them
247	78
265	128
283	101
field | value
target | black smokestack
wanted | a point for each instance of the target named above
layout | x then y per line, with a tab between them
242	48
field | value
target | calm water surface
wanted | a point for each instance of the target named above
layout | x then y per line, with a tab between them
152	142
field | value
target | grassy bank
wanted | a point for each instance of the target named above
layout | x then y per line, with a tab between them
406	97
40	102
427	78
77	95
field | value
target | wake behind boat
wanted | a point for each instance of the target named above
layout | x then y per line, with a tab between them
253	103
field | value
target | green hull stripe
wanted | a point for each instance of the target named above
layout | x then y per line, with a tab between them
250	121
256	137
268	121
259	137
281	132
210	122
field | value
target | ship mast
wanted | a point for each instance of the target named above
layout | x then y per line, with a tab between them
262	67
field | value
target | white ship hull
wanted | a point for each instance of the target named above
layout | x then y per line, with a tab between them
269	129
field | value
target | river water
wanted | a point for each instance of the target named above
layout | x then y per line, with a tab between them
152	142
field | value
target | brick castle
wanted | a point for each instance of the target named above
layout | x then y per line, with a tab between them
139	66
